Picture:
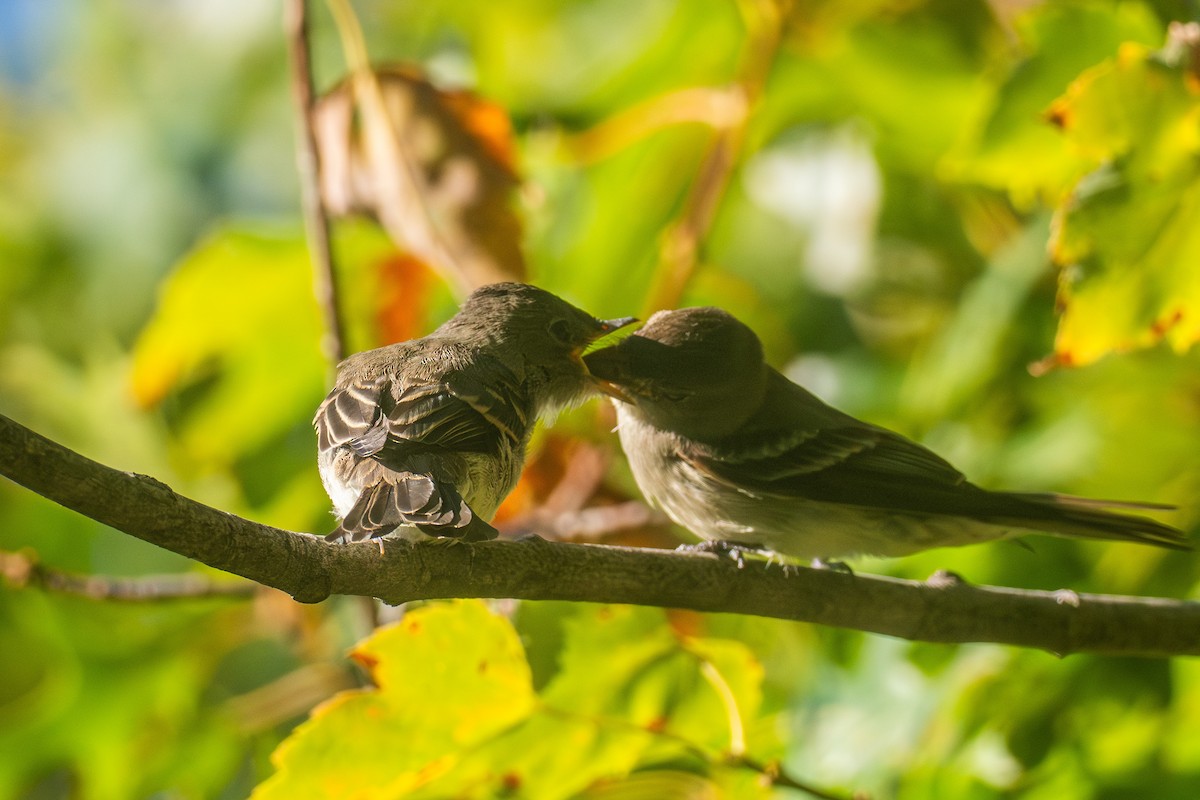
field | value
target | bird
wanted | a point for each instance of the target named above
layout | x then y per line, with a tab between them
424	438
735	452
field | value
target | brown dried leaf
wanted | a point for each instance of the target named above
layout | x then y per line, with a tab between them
403	299
435	168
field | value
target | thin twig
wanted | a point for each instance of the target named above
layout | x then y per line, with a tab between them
778	776
591	524
403	204
681	241
736	755
737	729
316	220
287	697
771	772
714	107
20	570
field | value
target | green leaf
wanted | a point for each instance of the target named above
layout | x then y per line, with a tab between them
1012	147
454	712
239	311
877	71
97	688
1128	239
449	678
655	785
235	337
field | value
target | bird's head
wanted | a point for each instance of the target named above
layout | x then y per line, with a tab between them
540	336
698	372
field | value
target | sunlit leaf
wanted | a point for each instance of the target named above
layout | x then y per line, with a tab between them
448	678
435	168
237	324
656	785
454	713
239	308
1128	239
1011	147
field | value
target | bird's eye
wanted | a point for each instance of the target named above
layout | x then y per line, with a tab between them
671	397
560	331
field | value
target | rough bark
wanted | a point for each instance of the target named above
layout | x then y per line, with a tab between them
310	569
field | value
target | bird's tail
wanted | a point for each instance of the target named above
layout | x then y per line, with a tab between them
416	502
1085	518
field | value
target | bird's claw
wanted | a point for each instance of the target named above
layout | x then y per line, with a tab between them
1067	597
735	550
945	579
831	565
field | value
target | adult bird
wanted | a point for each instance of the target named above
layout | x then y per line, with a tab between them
735	452
426	437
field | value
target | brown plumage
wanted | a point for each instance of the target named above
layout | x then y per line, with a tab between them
734	451
427	437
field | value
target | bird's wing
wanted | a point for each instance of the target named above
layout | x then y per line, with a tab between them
389	424
501	401
388	420
352	416
798	447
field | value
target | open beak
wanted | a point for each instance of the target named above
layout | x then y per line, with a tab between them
605	367
613	390
604	328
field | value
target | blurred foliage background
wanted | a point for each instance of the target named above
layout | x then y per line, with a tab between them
911	201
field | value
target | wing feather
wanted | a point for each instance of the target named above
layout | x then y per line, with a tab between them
798	447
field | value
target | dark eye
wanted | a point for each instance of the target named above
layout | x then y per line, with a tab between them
671	397
560	331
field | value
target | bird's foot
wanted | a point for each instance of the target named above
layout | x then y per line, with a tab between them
775	558
1067	597
832	566
735	550
945	579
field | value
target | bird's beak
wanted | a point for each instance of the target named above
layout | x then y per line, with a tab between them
604	328
606	368
607	326
614	391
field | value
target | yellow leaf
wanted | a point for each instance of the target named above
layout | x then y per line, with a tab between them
1128	237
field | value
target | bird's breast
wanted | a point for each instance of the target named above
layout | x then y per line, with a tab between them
792	525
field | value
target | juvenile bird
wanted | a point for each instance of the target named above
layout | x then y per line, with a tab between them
427	437
735	452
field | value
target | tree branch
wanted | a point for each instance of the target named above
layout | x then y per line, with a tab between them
310	569
19	570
